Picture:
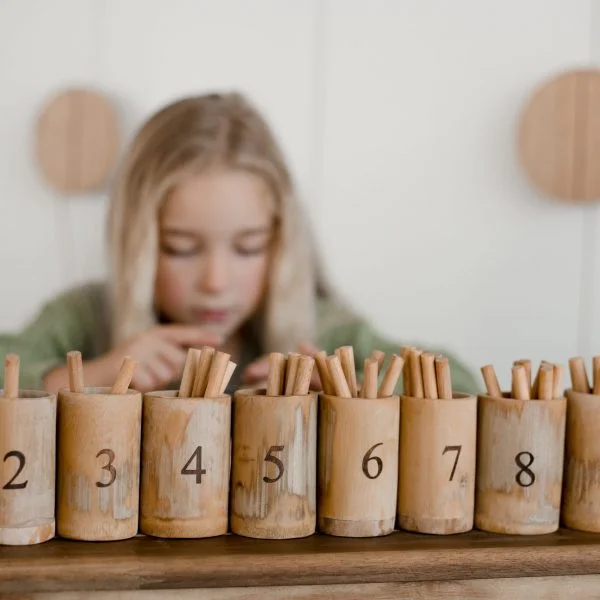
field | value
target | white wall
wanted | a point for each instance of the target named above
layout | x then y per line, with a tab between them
398	117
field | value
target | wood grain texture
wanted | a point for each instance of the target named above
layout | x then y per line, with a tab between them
520	446
584	587
559	136
580	507
185	432
274	465
436	487
28	427
98	458
77	140
358	465
234	561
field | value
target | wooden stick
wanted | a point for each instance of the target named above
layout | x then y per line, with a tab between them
189	370
379	356
579	378
303	375
216	374
121	384
369	387
75	367
546	382
416	375
326	383
535	386
596	374
290	373
340	385
390	379
520	389
405	354
444	380
525	362
227	377
491	381
203	364
429	377
12	363
557	376
346	355
276	376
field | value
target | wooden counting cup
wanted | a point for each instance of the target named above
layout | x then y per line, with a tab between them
358	465
273	484
185	465
98	464
581	486
436	488
519	464
27	467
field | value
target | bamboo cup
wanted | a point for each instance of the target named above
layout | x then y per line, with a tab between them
273	483
581	489
519	464
27	467
358	465
185	465
98	464
436	489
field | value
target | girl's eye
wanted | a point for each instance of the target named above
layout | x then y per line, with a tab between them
251	250
180	251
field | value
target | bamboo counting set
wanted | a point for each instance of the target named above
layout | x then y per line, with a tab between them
437	449
519	488
358	445
355	459
98	457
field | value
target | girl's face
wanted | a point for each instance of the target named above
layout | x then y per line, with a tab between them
216	230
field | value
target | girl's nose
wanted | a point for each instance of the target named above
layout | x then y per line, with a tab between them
215	277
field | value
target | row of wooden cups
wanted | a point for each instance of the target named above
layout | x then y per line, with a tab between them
292	461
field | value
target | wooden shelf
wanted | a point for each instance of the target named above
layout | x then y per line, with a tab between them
232	562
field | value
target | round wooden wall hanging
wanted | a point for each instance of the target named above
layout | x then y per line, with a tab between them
559	136
77	140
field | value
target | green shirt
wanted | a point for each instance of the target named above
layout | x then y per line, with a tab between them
79	319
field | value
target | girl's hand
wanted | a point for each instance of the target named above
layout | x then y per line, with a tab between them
257	372
160	353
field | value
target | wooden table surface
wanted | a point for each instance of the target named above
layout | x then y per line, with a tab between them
231	562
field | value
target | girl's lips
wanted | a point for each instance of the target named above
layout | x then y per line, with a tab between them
212	316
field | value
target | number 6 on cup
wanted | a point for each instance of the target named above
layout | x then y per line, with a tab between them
358	465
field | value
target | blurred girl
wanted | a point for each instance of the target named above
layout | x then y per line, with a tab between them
208	245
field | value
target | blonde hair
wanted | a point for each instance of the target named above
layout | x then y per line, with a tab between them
190	135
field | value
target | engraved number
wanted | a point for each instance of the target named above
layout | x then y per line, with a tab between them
21	458
524	469
107	467
456	449
367	458
198	471
270	458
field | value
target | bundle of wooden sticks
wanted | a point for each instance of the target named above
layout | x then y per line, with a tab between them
75	368
206	373
426	375
338	374
289	375
546	385
579	377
